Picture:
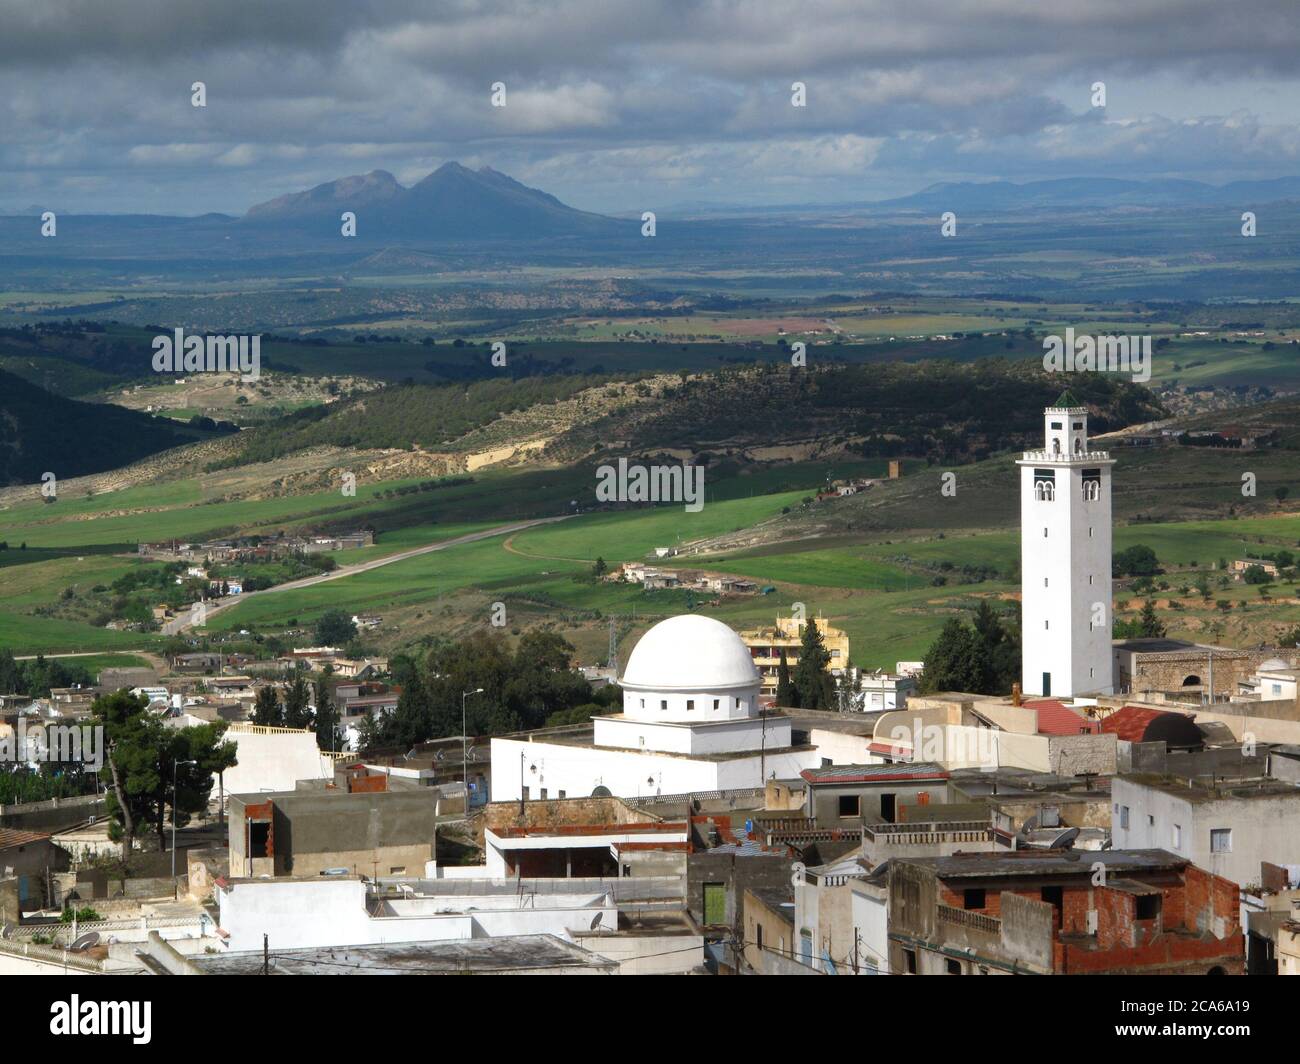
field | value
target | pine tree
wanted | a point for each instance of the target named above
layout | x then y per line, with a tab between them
412	721
1148	623
266	709
785	692
953	662
297	713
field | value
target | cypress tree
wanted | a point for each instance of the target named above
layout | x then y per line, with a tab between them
785	692
327	714
812	679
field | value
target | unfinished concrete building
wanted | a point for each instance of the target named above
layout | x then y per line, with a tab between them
1062	912
303	833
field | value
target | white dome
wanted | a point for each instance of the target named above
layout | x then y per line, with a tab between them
690	652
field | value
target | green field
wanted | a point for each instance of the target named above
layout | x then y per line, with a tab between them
538	561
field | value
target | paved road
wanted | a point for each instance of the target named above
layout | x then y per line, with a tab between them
181	623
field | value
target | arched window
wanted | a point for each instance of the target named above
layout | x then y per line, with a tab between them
1192	681
1044	490
1056	446
1078	446
1092	490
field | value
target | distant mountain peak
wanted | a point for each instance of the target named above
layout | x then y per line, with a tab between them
453	202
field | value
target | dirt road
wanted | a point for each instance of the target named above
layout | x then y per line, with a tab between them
181	623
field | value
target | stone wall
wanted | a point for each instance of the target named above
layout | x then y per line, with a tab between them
1169	670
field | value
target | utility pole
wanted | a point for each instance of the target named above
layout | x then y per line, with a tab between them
521	785
175	796
464	743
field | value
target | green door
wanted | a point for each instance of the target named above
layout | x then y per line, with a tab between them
715	903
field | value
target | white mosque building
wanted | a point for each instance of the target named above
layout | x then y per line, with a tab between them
691	723
1065	560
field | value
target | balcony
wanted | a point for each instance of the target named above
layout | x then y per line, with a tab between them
1061	456
928	833
989	924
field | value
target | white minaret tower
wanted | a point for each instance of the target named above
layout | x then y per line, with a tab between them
1065	559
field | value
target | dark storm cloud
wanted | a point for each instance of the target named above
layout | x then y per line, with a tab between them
611	100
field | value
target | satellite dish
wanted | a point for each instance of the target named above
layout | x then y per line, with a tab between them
1064	839
84	942
7	931
596	922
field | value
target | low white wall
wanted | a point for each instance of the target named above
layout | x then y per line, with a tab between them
647	954
326	912
715	738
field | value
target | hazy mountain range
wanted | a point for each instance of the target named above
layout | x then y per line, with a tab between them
457	203
1095	192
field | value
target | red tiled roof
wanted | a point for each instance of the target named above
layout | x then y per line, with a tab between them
1056	718
10	837
1130	723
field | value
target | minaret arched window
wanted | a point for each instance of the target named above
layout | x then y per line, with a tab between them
1044	484
1091	485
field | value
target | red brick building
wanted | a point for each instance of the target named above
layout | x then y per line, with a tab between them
1062	912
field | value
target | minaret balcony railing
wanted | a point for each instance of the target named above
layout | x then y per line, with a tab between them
1061	456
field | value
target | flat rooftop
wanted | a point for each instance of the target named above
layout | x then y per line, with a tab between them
1157	645
580	830
585	736
1048	863
779	900
479	956
1211	789
822	720
919	770
1012	784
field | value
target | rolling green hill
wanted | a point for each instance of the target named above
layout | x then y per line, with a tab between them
41	432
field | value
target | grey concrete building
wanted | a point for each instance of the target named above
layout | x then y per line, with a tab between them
1228	827
844	794
382	833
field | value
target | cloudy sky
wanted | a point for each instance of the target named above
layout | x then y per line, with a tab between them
618	105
